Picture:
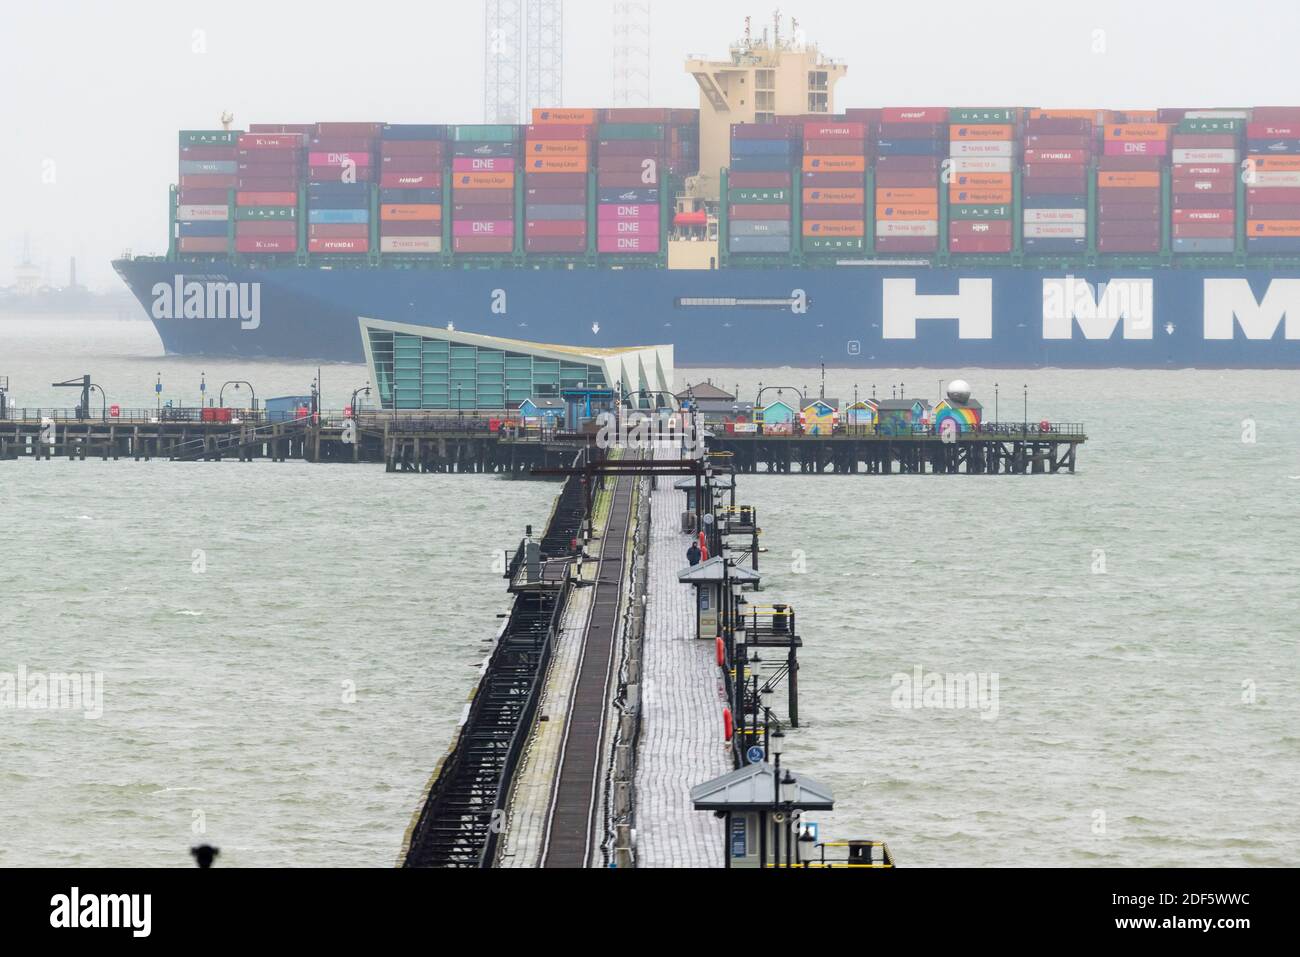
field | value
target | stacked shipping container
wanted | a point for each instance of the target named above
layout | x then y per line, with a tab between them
910	147
411	160
631	160
760	188
270	174
557	165
1058	157
834	181
208	172
340	171
1204	200
1134	155
981	150
1273	181
483	191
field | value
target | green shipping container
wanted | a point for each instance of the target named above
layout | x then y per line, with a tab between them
840	245
210	137
770	197
481	133
630	131
266	212
979	212
982	115
1210	126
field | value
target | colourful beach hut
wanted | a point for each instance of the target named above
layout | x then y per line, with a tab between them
820	416
957	417
778	417
860	418
901	416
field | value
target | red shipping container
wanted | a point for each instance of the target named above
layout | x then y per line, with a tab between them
1129	194
555	244
1197	170
209	154
266	227
212	197
907	244
410	164
979	244
556	180
1058	126
432	149
399	180
267	199
1273	211
271	141
621	245
1145	228
757	211
266	184
1205	184
1193	215
487	197
779	180
1131	164
556	227
623	164
1073	159
908	180
558	131
202	244
340	144
836	180
410	227
912	131
1204	230
1206	200
833	148
824	211
349	129
1272	194
1205	141
483	244
266	244
335	174
1273	129
766	131
338	230
934	115
1054	142
1127	244
977	227
207	181
554	197
1073	185
1115	211
306	129
833	130
636	114
482	212
338	245
261	168
652	149
1056	170
908	164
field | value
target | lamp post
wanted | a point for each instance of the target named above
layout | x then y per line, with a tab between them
789	794
1025	428
778	748
765	702
103	412
157	390
352	403
995	402
806	847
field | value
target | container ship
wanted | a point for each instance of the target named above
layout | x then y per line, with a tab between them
765	228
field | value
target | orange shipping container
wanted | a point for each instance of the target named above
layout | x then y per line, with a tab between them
1274	164
846	197
543	117
410	211
988	131
556	148
1137	131
908	212
484	180
929	197
556	164
984	197
1276	228
834	227
1127	180
834	164
982	181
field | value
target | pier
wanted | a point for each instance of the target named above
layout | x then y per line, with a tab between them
633	704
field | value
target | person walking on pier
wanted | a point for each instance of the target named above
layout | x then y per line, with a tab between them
693	554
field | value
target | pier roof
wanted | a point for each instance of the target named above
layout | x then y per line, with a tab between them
711	571
751	788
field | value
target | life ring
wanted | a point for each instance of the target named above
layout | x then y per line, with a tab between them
722	653
726	724
1044	426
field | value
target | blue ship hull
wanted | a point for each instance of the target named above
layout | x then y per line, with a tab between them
868	316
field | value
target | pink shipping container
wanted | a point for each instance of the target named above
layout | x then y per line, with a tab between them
632	211
628	244
266	227
271	141
628	227
914	114
486	164
979	244
410	164
907	244
357	158
1137	148
462	228
556	227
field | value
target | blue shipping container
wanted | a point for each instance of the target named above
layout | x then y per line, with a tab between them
417	132
188	230
331	216
911	148
762	148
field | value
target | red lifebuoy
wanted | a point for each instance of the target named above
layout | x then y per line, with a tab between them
726	724
1044	426
704	547
722	652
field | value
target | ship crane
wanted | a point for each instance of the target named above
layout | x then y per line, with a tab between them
226	119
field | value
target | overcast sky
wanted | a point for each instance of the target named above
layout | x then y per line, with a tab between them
92	93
